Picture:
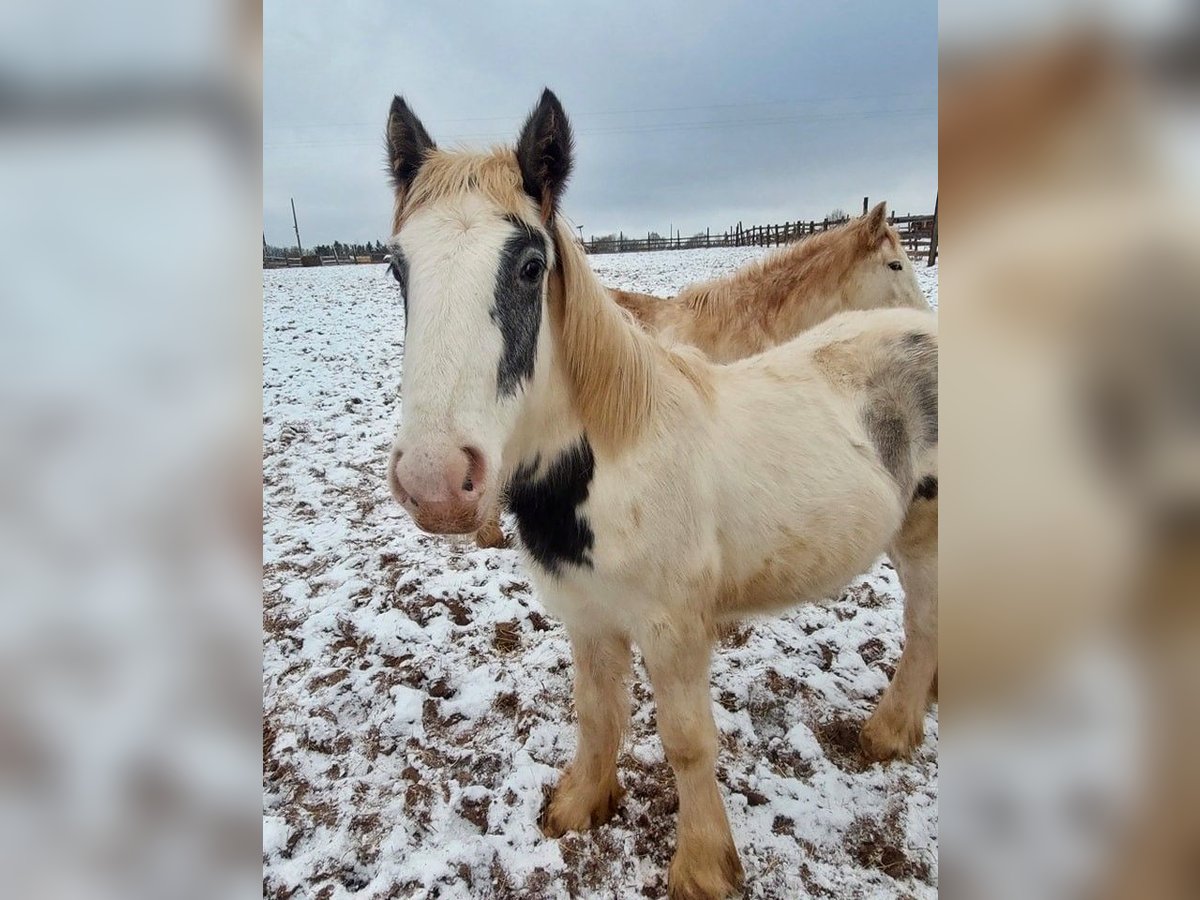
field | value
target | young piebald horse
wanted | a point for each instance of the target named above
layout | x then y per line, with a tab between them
657	495
859	265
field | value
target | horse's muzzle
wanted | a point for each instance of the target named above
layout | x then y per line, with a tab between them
441	490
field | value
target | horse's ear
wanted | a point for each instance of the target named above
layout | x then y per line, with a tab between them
874	225
407	143
544	153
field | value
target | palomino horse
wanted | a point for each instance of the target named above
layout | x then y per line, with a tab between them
859	265
658	496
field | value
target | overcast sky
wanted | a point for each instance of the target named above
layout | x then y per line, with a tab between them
700	116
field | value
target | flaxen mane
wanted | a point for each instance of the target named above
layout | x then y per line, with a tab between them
818	262
767	301
614	399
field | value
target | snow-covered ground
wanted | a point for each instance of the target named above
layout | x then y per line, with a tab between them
416	699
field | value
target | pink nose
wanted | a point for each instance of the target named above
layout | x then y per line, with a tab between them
441	491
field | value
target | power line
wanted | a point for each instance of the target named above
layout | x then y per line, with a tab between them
622	112
652	127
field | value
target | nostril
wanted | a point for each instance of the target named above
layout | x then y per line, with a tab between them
475	468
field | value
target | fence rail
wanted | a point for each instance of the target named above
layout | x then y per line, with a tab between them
296	262
917	233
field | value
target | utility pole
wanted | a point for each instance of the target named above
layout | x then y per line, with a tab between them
865	205
296	225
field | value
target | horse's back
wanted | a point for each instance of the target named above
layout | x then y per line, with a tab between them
645	308
886	363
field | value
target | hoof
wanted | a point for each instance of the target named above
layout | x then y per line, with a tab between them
887	737
704	873
492	537
575	806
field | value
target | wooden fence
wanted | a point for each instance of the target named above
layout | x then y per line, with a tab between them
296	262
917	233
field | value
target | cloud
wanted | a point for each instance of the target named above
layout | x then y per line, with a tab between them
696	116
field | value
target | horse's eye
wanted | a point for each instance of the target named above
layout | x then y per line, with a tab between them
895	265
532	270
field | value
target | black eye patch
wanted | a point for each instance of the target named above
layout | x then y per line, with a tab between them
517	304
398	266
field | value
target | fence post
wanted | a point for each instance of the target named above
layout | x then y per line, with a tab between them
707	238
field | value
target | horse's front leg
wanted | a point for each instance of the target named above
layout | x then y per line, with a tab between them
706	864
588	792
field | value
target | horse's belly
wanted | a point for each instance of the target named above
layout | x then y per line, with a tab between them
807	561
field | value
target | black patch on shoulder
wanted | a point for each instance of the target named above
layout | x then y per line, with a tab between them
546	505
927	488
517	310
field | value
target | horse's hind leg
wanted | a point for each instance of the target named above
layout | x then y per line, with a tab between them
587	794
898	724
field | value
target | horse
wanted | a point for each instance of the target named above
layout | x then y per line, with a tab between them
858	265
658	496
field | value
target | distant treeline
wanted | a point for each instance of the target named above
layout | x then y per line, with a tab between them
336	249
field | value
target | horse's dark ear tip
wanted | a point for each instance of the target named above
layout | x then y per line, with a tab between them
549	100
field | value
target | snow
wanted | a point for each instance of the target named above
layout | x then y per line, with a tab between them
417	699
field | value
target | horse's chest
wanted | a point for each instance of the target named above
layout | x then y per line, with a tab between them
546	499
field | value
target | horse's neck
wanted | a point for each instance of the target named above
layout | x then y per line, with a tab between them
549	421
781	292
803	309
